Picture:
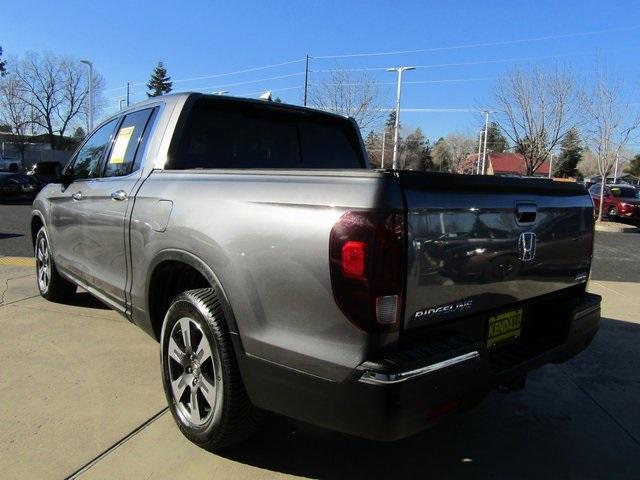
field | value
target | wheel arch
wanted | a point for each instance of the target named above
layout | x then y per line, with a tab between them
172	261
36	223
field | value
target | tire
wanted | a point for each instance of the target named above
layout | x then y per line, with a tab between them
223	415
612	212
51	285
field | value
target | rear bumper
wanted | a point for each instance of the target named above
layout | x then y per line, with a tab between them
405	393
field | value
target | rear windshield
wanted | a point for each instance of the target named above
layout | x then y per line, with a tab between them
624	192
233	134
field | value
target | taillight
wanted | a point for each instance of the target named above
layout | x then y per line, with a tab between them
367	263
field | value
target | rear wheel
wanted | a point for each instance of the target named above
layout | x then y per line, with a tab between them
50	284
200	375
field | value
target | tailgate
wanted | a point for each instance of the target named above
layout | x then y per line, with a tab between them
478	243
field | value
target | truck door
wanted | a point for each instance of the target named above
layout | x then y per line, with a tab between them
67	206
107	202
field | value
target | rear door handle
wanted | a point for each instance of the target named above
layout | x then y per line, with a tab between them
119	195
77	196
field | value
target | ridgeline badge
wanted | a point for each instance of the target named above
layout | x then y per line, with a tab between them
444	309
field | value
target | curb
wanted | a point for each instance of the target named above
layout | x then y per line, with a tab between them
616	227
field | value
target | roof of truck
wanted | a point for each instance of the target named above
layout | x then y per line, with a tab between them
175	98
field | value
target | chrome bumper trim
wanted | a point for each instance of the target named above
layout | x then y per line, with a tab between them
377	378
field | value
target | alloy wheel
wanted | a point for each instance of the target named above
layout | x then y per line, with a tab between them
194	373
43	263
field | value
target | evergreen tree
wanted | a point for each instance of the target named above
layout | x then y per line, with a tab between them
496	141
417	152
3	68
160	83
372	144
634	166
391	119
570	155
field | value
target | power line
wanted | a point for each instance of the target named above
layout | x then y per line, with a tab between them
247	82
237	72
480	62
480	45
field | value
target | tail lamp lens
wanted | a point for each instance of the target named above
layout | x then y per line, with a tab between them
367	263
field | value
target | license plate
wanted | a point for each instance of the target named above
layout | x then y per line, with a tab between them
504	328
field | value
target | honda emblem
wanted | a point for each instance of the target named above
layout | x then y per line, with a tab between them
527	246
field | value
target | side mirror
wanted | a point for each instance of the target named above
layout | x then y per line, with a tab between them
65	178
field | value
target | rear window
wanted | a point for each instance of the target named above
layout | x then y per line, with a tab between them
231	134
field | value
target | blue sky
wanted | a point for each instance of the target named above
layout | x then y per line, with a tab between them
203	39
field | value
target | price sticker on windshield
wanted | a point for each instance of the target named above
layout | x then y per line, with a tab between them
120	147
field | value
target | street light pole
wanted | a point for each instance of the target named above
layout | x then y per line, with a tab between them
615	172
486	132
90	65
476	167
400	70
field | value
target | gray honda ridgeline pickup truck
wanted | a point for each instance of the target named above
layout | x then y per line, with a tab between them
280	272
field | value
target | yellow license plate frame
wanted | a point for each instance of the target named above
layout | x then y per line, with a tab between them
504	328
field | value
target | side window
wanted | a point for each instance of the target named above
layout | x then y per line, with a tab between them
87	161
129	140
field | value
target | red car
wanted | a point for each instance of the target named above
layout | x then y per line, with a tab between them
619	200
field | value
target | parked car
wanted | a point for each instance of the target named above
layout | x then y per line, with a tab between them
280	273
46	172
8	187
620	200
18	184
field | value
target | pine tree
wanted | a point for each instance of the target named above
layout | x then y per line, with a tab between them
634	166
417	152
496	141
391	120
570	155
3	68
160	83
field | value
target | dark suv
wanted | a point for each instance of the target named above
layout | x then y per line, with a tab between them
619	200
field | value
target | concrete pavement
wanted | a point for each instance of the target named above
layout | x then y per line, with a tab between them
81	392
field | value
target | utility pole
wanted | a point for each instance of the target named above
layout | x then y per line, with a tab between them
128	90
477	165
384	137
306	78
550	164
90	65
486	131
399	70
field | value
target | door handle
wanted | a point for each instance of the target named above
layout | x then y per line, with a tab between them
119	195
77	196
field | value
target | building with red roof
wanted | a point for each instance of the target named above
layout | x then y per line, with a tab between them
502	163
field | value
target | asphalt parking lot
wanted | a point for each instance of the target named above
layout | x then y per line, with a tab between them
81	395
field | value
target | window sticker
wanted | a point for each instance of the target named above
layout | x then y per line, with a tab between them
122	142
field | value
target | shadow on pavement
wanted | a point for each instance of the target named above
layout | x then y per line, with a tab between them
572	421
10	235
86	300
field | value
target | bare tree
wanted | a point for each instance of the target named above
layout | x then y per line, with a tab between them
353	96
55	89
536	110
14	113
609	125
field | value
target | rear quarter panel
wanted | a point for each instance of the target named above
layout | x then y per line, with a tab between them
265	236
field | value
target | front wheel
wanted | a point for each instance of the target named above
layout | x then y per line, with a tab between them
200	375
51	285
612	212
